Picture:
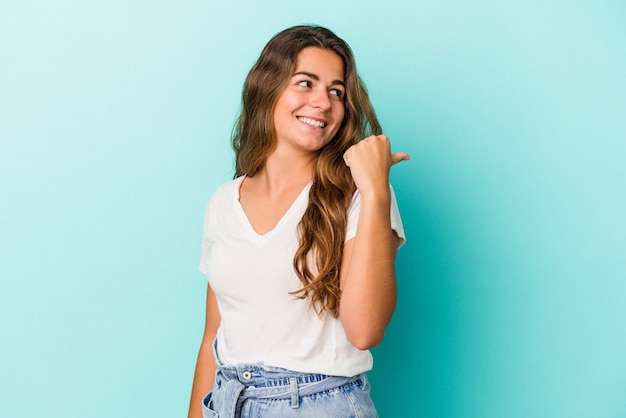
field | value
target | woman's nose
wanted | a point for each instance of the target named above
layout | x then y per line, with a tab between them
320	100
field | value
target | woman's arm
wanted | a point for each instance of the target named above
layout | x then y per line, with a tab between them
205	366
367	276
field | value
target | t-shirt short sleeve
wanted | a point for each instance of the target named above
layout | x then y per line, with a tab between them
394	213
206	246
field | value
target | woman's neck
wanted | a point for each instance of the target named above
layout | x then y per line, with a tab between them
285	171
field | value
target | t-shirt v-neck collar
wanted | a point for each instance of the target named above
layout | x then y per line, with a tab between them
251	232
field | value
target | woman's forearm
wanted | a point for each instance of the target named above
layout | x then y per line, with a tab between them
368	296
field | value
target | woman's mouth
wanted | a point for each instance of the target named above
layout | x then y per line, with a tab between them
312	122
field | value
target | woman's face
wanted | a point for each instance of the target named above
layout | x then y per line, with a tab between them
310	110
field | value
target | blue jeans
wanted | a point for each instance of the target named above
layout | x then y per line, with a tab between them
256	391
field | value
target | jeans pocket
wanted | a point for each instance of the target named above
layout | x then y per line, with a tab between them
207	402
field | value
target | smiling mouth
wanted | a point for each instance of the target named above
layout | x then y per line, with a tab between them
312	122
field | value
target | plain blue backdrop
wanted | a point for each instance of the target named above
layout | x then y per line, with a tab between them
115	119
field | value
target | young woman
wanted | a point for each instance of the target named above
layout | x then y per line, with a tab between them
299	248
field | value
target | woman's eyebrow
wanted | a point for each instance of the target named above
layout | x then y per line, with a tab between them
316	77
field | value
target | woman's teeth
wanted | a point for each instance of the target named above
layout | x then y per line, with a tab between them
312	122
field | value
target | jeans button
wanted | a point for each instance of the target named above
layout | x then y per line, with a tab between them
246	375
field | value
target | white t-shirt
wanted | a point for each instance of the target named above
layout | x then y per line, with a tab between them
252	276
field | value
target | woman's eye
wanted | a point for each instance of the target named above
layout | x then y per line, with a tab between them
336	92
304	83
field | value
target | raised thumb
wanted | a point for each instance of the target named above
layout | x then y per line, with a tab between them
396	157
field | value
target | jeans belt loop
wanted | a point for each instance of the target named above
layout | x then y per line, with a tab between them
295	399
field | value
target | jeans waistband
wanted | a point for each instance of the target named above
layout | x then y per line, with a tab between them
237	383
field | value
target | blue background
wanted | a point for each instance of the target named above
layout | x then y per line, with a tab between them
114	125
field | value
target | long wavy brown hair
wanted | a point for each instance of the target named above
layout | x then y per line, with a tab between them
322	229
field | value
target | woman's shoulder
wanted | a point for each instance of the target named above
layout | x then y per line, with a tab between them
227	191
231	186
